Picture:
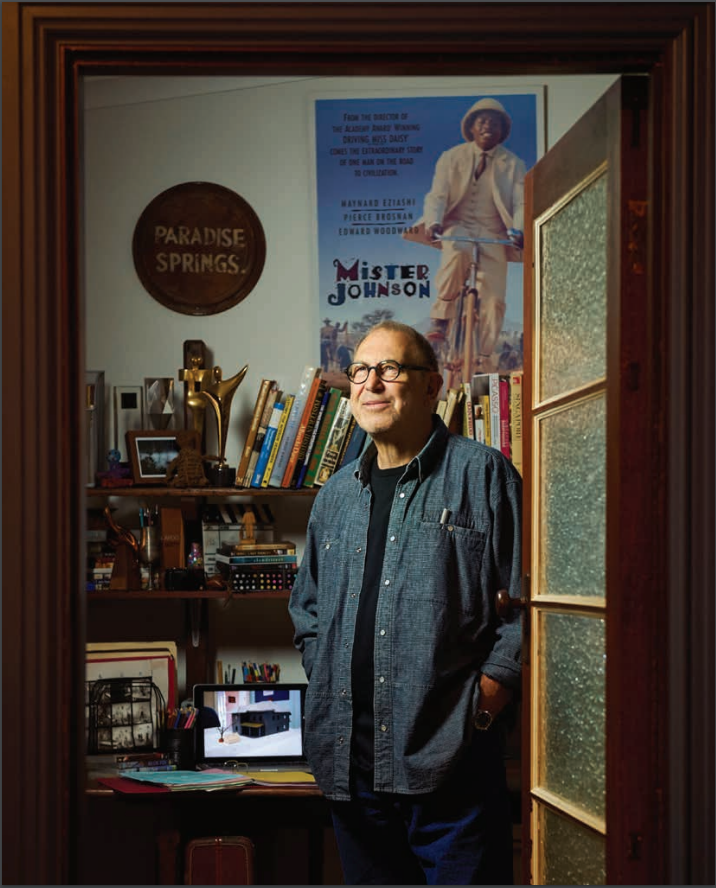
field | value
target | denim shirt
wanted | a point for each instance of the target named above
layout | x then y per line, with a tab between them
436	629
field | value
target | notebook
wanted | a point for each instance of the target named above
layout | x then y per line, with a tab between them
256	728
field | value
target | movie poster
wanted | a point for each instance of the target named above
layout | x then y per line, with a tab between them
375	164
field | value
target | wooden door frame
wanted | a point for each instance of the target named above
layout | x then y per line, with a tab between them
46	49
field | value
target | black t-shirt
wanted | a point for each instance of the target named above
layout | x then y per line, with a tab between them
383	482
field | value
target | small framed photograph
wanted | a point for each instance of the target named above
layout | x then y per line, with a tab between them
150	452
128	415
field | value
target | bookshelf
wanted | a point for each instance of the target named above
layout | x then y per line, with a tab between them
155	610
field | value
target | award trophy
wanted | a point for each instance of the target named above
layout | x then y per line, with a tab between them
219	393
194	377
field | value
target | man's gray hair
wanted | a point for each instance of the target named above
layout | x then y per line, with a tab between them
422	345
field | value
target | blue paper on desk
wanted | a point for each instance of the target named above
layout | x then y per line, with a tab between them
186	780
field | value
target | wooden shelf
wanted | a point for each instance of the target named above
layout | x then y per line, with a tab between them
161	595
157	491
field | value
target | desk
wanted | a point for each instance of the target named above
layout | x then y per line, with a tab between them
288	826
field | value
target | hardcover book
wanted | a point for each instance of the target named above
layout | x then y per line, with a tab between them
308	408
253	429
357	441
309	439
280	547
338	431
283	421
267	445
516	418
487	385
468	416
271	398
257	559
344	443
321	431
505	416
289	434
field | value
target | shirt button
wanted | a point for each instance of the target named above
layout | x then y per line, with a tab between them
359	549
353	595
392	539
381	679
387	583
384	727
402	495
340	740
382	631
328	545
344	693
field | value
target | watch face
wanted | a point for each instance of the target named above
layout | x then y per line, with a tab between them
483	720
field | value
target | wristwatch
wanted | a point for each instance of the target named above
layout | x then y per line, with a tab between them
482	719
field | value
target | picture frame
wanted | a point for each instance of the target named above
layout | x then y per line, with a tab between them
128	415
151	451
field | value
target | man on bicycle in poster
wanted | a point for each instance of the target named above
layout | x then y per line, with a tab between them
477	191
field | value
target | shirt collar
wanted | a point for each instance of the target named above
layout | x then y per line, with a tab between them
420	465
490	153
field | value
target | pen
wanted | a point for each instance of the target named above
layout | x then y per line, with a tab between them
445	517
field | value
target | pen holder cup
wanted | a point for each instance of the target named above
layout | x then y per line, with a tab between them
179	745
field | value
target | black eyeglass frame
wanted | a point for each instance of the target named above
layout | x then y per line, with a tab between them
377	366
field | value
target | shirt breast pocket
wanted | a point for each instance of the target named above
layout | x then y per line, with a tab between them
448	563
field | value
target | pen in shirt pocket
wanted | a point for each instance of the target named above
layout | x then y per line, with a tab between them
445	516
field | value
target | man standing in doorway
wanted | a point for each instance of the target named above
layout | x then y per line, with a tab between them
410	669
477	191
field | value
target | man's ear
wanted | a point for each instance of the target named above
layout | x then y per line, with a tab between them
435	383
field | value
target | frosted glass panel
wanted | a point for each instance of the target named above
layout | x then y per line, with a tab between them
572	500
571	714
570	854
573	292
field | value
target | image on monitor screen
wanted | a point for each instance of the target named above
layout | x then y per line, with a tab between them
251	724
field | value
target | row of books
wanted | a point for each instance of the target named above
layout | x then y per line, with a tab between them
489	410
298	439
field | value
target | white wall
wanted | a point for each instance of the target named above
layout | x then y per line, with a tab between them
143	135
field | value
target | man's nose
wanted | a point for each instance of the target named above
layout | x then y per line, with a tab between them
373	379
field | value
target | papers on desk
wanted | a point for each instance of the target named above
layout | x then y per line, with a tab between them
280	778
176	781
212	779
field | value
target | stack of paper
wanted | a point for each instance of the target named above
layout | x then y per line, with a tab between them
187	780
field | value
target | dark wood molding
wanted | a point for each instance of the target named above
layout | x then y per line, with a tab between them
47	47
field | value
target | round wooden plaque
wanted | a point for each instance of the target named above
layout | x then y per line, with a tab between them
199	248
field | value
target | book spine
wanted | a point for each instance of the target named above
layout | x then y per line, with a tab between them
261	434
505	416
344	443
253	429
516	419
284	451
229	551
355	445
486	417
322	437
267	446
468	416
479	431
257	559
495	410
285	413
301	432
329	461
312	431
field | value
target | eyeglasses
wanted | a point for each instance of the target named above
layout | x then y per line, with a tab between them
388	371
